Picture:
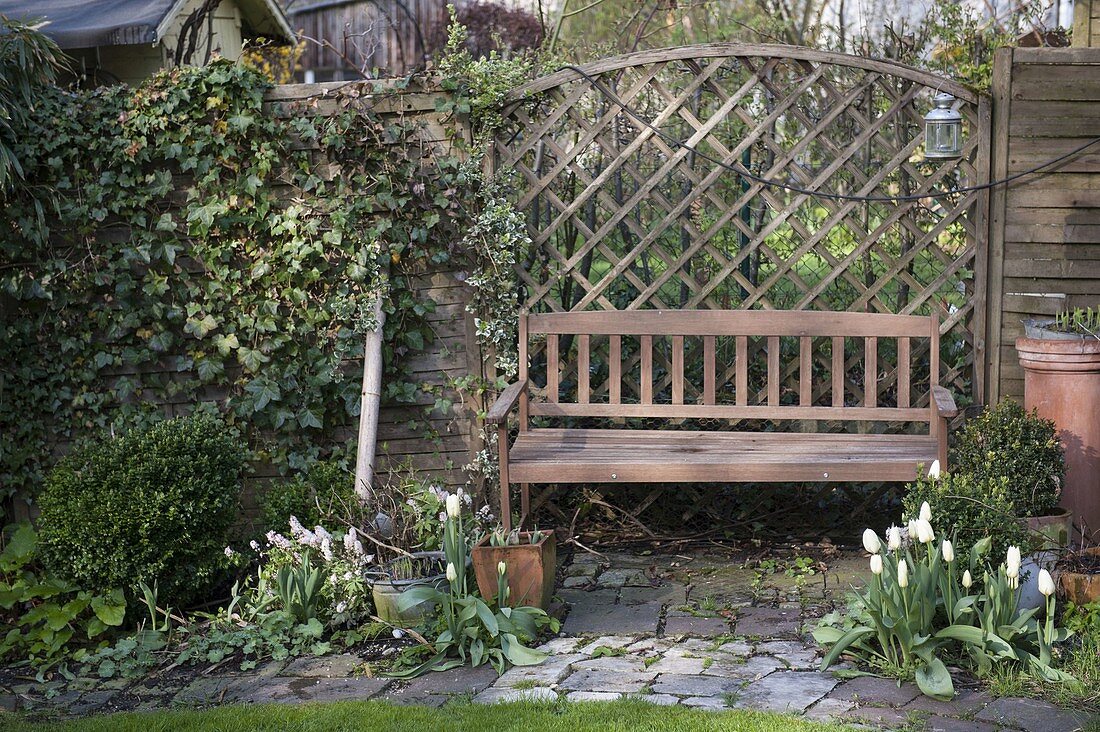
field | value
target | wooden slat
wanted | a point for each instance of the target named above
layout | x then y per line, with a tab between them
725	411
709	367
523	397
615	369
677	369
647	369
838	371
583	345
904	373
741	366
729	322
773	371
552	366
805	371
870	372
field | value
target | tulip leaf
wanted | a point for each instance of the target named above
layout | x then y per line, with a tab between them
934	680
852	636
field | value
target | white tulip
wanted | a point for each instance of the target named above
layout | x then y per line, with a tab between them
893	538
925	512
454	505
501	568
948	551
1012	562
876	564
452	575
934	470
912	529
1046	583
871	541
903	574
925	534
967	579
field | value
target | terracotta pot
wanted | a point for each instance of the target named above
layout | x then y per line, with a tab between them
531	569
1054	528
1062	382
1080	587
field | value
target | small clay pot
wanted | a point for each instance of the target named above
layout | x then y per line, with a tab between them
1080	587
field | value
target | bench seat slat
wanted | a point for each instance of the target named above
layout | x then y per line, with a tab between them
730	411
577	455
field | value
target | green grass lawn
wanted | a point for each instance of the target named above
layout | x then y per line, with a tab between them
377	716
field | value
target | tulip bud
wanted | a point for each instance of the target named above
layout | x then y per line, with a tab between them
948	551
967	579
452	575
454	505
1012	562
925	534
1046	583
893	538
934	470
912	529
871	541
903	574
925	512
876	564
501	568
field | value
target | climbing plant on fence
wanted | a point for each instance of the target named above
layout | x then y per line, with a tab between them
180	243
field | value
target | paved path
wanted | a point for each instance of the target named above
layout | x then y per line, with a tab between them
666	630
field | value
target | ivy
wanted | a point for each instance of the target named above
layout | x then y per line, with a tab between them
182	242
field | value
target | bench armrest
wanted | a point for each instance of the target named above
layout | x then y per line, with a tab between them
945	403
504	404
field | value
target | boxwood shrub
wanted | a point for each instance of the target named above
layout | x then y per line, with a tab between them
154	505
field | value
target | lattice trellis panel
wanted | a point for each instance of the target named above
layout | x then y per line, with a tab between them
622	218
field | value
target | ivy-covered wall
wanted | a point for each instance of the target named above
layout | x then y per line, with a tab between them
209	240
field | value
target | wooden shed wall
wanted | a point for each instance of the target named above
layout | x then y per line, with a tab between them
1044	230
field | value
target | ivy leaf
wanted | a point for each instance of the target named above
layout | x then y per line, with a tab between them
265	391
166	223
251	358
200	328
226	343
308	418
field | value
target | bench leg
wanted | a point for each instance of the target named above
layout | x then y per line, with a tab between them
524	505
505	493
939	431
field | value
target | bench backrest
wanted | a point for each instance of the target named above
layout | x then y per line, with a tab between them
751	331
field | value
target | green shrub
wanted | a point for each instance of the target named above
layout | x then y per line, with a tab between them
1007	442
968	509
153	506
324	495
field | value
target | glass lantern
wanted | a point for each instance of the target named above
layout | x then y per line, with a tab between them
943	130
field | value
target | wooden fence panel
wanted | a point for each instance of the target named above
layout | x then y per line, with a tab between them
1044	230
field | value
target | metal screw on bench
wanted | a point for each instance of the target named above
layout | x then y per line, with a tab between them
826	475
614	476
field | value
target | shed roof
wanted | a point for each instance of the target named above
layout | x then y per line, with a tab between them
87	23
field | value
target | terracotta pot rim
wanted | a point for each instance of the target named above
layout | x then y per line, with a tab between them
484	541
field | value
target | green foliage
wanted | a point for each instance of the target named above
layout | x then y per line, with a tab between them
323	495
468	629
29	61
298	588
969	509
921	604
1006	443
154	505
47	619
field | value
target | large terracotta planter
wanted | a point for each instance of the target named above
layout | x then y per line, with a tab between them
1062	382
531	569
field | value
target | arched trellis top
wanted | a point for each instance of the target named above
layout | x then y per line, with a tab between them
622	216
761	50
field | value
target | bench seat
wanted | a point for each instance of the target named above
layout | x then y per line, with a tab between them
663	456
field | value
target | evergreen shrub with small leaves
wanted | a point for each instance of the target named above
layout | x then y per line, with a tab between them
154	505
1007	442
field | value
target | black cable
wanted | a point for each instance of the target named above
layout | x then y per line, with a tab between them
596	84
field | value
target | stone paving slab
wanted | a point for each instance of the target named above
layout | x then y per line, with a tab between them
337	665
547	673
768	622
694	685
294	690
795	654
595	617
606	641
786	691
495	695
666	594
1032	715
967	703
827	710
460	680
878	716
871	690
597	680
947	724
691	625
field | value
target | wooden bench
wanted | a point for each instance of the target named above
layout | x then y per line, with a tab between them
614	455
